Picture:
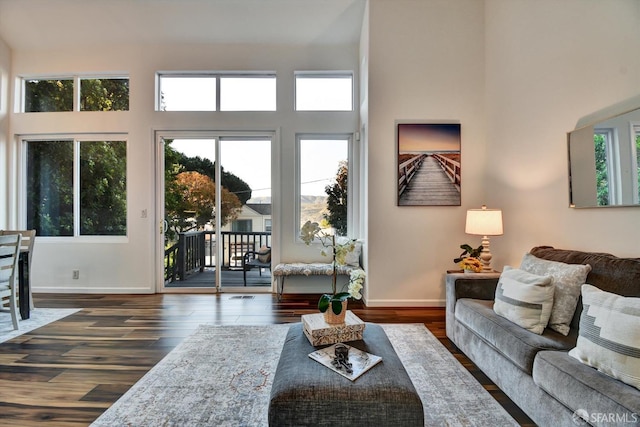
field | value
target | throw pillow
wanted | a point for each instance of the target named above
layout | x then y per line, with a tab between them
352	258
566	279
264	254
524	298
609	334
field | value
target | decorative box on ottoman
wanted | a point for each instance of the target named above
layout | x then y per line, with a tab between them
306	393
321	333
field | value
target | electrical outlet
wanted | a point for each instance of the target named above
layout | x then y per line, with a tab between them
76	274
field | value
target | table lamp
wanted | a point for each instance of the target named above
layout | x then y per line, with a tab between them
484	222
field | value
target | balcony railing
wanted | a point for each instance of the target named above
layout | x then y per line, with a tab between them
196	250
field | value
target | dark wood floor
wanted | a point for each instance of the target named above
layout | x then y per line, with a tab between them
68	372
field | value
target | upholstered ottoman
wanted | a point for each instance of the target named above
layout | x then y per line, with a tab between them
306	393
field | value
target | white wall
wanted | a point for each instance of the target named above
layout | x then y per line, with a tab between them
518	75
548	64
129	266
426	62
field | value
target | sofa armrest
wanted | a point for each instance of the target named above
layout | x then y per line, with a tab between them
460	285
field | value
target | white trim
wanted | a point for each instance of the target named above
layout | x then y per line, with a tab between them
405	303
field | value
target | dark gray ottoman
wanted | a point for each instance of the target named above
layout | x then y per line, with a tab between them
305	393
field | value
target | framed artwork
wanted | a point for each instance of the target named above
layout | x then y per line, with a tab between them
428	164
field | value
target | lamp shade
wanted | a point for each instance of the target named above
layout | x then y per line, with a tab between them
484	222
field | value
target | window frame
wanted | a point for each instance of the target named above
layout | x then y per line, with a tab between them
76	78
323	75
218	75
76	139
353	180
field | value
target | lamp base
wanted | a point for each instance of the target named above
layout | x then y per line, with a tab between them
485	255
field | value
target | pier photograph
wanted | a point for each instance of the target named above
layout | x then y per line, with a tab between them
428	164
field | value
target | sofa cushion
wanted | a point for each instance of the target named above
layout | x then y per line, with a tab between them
515	343
609	335
524	298
583	389
566	279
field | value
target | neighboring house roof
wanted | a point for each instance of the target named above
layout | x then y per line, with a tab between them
261	208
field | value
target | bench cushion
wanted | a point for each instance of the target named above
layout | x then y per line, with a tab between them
311	269
306	393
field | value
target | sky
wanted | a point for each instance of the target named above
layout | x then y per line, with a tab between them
428	137
251	161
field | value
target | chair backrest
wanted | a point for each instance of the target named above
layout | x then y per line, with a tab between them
9	252
28	239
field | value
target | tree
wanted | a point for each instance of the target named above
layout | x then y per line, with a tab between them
337	200
197	200
602	178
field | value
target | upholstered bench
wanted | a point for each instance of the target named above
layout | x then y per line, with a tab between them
307	269
306	393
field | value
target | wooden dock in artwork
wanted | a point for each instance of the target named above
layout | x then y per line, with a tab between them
434	182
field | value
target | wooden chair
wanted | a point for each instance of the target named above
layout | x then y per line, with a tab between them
28	239
9	253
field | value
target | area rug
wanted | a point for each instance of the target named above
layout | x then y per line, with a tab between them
37	318
222	376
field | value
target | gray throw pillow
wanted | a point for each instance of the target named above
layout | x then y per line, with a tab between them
567	280
524	298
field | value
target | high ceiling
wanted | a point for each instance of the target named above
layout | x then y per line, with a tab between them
54	24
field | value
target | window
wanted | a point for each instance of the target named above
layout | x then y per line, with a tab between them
217	92
187	93
76	187
48	95
267	225
602	140
324	91
323	182
242	225
95	94
104	94
248	93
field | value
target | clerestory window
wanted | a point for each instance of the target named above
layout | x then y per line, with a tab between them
59	94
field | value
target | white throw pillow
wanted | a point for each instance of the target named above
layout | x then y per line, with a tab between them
524	298
567	279
352	258
609	334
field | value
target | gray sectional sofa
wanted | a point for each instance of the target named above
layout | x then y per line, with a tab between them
536	371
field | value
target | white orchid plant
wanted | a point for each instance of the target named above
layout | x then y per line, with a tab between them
310	232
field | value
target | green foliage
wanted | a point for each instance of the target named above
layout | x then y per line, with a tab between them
337	200
103	188
50	192
104	94
602	178
48	95
50	188
468	251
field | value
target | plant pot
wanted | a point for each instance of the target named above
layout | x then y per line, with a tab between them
334	319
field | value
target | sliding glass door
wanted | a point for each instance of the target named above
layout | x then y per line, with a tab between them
215	223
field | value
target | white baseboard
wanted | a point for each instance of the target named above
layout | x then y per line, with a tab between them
405	303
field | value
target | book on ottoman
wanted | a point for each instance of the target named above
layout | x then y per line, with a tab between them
321	333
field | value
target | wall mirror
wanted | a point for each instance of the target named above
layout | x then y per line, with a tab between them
604	159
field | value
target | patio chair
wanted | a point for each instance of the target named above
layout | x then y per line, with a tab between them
9	253
256	259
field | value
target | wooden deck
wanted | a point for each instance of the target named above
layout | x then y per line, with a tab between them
430	186
230	278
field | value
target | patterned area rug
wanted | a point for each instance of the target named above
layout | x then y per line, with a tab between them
37	318
222	376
